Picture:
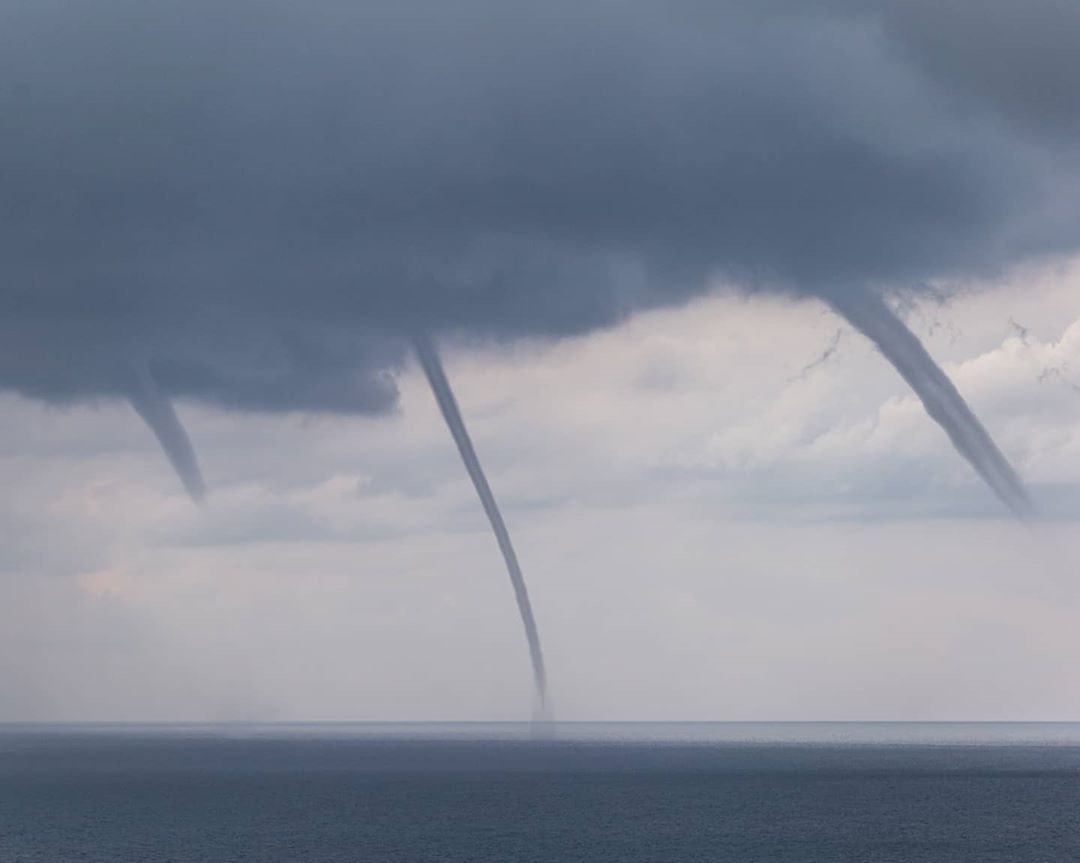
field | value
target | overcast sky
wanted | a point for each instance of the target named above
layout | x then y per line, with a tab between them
718	522
764	315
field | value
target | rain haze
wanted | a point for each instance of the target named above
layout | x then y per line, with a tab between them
755	324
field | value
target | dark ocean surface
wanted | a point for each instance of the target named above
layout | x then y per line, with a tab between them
633	792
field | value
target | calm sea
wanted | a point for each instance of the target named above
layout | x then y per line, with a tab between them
589	792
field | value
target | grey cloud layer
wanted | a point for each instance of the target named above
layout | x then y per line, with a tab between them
256	199
1020	59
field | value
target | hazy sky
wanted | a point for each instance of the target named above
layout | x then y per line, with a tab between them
709	532
648	239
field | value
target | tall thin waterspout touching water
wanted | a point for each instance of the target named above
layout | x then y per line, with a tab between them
428	356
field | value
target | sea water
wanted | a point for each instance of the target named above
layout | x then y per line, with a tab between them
810	792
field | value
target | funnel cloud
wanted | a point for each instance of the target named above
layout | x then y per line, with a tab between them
159	414
873	318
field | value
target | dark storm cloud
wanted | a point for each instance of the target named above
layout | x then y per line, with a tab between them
256	198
